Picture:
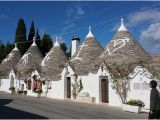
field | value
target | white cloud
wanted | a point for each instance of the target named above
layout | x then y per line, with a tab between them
80	11
75	12
68	27
147	23
150	38
72	14
136	18
3	16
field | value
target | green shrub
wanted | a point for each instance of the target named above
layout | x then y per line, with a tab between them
135	103
38	90
12	88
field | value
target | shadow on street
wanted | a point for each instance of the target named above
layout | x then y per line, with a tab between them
10	113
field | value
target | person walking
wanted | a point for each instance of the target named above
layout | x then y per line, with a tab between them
154	101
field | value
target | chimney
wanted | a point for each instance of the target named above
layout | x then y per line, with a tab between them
75	43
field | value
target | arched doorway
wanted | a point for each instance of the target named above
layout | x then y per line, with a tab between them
104	91
68	87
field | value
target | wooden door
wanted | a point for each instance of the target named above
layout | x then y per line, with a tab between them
68	87
104	90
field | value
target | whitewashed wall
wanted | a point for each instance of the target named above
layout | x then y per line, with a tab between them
90	85
139	85
57	89
6	83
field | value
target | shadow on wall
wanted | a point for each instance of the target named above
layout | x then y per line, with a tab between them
11	113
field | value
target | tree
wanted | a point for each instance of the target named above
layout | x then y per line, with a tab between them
30	36
63	46
38	40
31	32
2	51
120	79
21	35
46	44
77	86
9	47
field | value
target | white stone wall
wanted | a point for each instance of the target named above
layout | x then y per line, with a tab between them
5	85
90	85
114	99
57	89
140	77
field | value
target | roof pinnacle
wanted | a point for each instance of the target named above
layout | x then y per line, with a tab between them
56	43
122	27
34	41
90	32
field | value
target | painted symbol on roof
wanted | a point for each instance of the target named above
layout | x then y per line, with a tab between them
46	58
117	44
77	57
25	59
10	56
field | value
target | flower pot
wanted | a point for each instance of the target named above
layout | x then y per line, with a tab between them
131	108
38	95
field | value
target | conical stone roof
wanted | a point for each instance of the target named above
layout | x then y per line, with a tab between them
87	53
10	62
31	60
155	65
123	49
53	63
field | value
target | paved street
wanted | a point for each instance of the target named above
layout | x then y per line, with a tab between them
20	106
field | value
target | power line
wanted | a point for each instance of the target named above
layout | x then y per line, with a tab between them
97	24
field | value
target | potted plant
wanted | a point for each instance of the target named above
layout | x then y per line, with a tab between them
12	89
133	106
38	91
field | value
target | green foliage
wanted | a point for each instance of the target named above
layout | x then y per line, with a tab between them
38	90
12	89
38	40
120	79
8	48
77	86
135	103
46	44
21	35
80	85
2	51
31	32
30	36
64	47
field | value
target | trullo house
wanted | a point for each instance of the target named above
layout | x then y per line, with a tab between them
124	59
28	70
77	76
7	67
51	69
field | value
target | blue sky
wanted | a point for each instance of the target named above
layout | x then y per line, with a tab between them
71	19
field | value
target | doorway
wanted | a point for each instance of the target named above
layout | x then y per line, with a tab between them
104	91
68	87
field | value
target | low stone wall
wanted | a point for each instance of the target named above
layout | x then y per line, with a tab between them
86	99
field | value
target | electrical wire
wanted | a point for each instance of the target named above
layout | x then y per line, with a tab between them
97	24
